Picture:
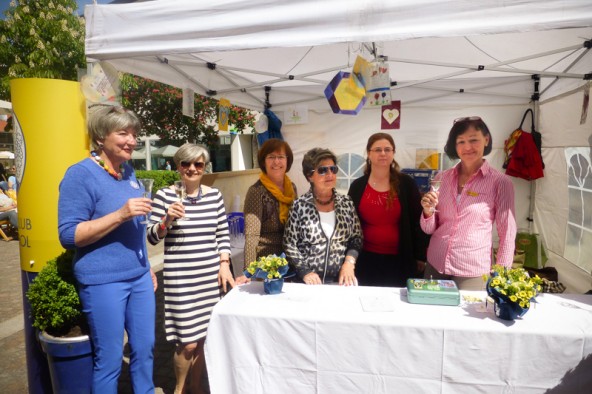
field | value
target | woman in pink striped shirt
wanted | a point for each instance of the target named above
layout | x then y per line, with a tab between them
472	197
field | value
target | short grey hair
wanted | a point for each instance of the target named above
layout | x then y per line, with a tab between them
190	152
313	158
104	119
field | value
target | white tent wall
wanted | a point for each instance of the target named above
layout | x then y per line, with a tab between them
559	123
425	127
421	128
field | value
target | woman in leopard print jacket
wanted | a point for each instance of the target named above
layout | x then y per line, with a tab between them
323	235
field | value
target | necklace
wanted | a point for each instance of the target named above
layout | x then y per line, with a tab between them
329	201
194	200
117	175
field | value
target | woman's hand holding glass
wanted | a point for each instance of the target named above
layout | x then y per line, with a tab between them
175	211
181	191
428	202
432	196
135	207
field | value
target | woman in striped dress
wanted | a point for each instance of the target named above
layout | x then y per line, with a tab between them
196	265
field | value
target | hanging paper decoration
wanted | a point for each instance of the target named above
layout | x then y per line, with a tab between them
377	83
376	80
101	86
346	94
391	116
296	114
361	66
188	102
223	114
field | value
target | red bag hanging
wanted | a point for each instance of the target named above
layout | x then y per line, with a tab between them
525	161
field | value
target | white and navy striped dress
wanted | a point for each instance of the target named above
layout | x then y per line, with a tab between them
191	261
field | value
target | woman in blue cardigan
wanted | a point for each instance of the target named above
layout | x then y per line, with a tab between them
99	212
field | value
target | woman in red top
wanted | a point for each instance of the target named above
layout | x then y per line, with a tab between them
388	204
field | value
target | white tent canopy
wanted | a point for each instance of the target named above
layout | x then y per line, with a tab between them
232	49
448	59
165	151
5	107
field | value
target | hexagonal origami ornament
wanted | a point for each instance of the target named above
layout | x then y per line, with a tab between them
346	94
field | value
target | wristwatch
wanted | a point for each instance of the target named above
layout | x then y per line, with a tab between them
350	260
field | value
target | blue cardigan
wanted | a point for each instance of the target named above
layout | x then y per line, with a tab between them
88	192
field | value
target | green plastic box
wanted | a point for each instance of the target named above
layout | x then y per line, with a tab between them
432	292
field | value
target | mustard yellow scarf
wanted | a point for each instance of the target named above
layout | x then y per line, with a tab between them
285	198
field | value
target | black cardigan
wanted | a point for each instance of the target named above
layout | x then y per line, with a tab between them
413	242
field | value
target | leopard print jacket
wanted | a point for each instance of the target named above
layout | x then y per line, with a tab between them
307	247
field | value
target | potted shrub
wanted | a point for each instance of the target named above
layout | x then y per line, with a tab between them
56	312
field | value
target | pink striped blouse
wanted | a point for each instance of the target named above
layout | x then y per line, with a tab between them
461	231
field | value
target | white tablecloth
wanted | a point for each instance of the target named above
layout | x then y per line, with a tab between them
331	339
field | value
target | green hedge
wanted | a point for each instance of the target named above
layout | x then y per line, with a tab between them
162	178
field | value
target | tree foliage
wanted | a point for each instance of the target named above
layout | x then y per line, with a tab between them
40	39
45	39
160	108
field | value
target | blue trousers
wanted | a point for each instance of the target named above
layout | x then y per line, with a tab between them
110	308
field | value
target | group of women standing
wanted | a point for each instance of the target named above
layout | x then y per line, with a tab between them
376	235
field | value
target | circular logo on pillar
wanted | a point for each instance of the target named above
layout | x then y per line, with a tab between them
20	151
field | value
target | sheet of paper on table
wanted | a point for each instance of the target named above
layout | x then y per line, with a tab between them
381	302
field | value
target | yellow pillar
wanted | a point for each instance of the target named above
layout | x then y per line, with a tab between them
50	136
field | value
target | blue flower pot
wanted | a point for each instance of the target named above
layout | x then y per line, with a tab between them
273	286
508	310
70	363
503	307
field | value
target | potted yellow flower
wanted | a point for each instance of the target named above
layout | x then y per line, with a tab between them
272	269
512	291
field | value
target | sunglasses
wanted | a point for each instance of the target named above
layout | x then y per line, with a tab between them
324	169
199	165
467	119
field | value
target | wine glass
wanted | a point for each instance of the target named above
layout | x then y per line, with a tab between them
435	183
181	191
147	185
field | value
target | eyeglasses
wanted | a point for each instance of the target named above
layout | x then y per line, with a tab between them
466	119
199	165
324	169
386	150
276	157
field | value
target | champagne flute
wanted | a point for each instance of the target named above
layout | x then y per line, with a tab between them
181	191
147	185
435	183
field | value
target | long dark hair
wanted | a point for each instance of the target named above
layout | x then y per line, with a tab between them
394	172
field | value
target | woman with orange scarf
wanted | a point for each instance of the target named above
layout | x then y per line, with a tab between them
268	202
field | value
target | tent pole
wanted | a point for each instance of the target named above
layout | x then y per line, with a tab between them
532	195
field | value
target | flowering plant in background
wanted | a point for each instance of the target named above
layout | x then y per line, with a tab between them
268	267
513	285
